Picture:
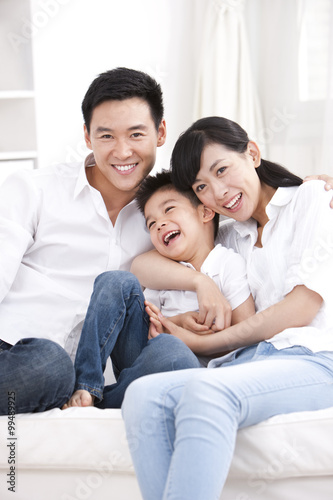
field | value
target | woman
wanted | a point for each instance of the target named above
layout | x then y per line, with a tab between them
182	426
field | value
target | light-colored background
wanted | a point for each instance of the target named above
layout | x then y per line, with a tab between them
264	63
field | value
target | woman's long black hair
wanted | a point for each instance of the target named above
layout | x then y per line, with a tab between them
186	155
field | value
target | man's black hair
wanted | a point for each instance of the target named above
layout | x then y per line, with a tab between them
123	83
162	181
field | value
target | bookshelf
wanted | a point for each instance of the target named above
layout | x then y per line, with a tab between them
18	145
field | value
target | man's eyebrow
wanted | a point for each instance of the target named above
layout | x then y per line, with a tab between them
140	126
103	129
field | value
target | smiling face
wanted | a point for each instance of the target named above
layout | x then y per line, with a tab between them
178	229
227	181
124	139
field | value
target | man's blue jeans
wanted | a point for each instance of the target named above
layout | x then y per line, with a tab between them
37	373
117	325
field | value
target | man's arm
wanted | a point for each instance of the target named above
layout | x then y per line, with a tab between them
18	218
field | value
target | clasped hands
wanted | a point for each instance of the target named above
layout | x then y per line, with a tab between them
187	321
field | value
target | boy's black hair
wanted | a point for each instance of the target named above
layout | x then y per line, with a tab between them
123	83
162	181
186	155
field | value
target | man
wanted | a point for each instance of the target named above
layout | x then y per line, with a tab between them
61	227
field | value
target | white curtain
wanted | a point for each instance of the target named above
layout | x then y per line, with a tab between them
250	52
326	159
224	82
291	44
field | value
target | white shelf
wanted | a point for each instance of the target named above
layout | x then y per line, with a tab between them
17	155
17	94
18	143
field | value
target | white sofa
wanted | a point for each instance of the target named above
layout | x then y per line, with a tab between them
82	454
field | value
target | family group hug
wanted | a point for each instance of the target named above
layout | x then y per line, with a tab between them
207	284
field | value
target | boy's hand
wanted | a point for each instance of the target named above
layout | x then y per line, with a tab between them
214	309
155	327
323	177
190	321
152	310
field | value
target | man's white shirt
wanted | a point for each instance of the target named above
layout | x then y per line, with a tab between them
55	238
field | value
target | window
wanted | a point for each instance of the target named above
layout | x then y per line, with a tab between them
314	54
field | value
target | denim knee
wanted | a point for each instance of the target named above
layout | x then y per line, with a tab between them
60	366
170	353
113	281
41	374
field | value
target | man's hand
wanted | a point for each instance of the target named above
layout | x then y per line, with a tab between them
329	182
214	309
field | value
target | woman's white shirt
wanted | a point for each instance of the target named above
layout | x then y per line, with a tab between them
297	249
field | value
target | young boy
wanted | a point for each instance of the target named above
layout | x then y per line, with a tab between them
182	229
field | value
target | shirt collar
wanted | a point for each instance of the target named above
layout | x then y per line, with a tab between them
212	264
281	197
82	183
209	264
82	180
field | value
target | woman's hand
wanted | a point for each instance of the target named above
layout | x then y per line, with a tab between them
189	321
160	324
214	309
329	182
192	340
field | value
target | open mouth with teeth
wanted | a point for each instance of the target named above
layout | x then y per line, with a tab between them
125	169
234	203
171	235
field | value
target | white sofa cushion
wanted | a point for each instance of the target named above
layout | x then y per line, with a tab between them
82	453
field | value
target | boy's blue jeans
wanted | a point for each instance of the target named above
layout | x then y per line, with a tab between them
36	374
117	325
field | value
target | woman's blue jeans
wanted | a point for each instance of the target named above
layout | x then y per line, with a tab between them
117	325
35	373
182	427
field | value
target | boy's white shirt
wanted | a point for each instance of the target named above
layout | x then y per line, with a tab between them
224	266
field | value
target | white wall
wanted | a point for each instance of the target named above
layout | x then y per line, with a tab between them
75	40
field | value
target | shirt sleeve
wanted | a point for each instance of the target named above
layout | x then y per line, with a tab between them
153	296
18	220
233	279
311	252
